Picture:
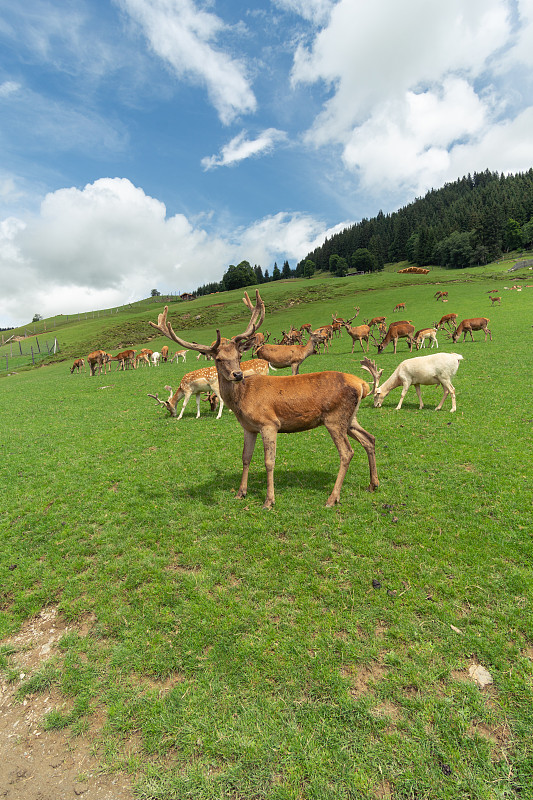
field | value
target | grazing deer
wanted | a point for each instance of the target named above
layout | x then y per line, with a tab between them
398	307
377	321
78	364
397	330
154	358
126	359
448	321
164	353
179	354
441	296
425	370
270	405
205	380
469	325
96	360
495	300
143	357
287	355
423	334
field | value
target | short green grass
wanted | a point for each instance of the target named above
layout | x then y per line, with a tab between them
237	653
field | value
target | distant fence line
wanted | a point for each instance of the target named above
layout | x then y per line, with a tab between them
40	350
62	319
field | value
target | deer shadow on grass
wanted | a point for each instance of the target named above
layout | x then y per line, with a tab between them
226	482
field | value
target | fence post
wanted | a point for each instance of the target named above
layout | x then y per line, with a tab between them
20	347
37	342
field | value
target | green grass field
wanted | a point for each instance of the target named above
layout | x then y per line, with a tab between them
302	653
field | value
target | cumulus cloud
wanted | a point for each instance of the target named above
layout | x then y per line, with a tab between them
183	36
407	100
110	243
241	148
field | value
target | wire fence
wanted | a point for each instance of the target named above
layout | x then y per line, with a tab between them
21	352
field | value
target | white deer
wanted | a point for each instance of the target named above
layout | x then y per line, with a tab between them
425	370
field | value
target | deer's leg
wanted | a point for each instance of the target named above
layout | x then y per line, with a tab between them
368	441
419	393
405	389
448	389
197	405
295	369
346	454
220	405
247	453
353	345
269	436
185	401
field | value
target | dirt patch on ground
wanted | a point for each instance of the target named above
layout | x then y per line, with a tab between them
47	765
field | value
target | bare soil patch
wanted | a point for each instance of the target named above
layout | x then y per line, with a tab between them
47	765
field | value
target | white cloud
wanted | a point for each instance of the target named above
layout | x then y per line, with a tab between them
313	10
183	35
8	87
409	99
241	148
110	244
405	143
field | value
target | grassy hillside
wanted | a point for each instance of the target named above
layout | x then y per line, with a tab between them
210	649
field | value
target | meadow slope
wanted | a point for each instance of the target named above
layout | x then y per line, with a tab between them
209	649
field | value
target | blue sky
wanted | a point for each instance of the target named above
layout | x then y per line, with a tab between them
151	143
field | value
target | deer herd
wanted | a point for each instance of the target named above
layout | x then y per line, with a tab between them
267	404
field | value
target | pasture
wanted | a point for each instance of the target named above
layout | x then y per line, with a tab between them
211	649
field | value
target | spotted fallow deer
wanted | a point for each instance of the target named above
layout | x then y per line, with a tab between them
284	404
205	380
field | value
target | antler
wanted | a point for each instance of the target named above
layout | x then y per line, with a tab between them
164	327
257	312
165	403
357	310
371	367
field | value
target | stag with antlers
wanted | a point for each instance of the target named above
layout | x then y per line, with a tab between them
270	405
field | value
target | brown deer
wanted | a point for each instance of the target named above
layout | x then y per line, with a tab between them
440	295
495	300
448	321
179	354
469	325
96	360
376	321
270	405
289	355
143	357
398	307
126	359
397	330
359	334
164	353
78	364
